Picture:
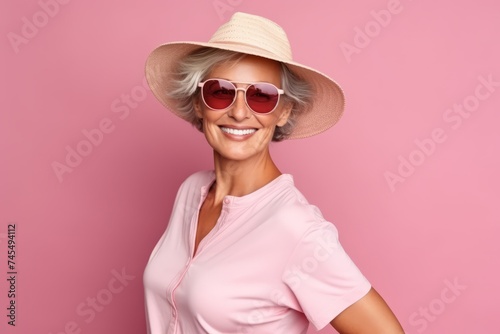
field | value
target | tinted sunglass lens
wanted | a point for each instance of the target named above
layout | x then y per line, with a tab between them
218	94
262	97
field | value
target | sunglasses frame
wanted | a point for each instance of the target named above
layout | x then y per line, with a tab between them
280	92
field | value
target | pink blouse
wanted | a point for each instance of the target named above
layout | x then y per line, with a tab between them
271	264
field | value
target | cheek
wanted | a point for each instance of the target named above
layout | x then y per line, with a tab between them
208	120
209	116
273	120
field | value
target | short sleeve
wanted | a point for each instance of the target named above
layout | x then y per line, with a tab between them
323	278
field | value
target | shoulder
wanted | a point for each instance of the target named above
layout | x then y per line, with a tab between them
292	203
295	215
192	186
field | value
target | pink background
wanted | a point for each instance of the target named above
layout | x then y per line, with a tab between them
433	226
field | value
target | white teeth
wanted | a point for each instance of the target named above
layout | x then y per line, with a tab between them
238	132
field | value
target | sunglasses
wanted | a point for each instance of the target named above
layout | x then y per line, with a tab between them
260	97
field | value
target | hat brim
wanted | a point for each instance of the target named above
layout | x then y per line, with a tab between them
327	101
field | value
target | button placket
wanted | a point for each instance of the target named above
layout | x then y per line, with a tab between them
171	327
174	310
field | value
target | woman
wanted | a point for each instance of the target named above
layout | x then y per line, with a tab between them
244	252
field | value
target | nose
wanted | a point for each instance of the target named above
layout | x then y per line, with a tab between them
239	110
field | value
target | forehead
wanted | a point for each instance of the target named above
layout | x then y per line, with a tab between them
249	69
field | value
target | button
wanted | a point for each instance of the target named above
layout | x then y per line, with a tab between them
227	200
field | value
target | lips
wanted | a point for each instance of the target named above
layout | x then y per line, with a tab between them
237	132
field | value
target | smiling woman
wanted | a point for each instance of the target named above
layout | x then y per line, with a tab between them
244	252
242	133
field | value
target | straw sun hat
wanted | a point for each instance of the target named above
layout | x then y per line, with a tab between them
254	35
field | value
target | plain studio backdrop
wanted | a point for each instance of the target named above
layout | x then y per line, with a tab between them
91	162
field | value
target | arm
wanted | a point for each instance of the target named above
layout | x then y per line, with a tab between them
369	315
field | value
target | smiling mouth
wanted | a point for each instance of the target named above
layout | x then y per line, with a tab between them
238	132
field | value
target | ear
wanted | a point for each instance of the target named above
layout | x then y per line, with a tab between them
197	108
285	114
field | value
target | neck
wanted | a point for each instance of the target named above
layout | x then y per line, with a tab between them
239	178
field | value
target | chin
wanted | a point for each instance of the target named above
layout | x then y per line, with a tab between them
240	152
237	155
